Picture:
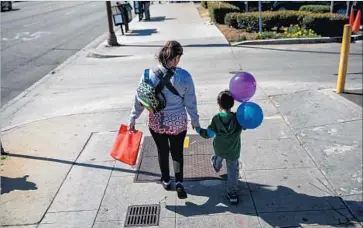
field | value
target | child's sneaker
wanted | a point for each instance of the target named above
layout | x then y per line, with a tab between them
233	198
166	185
181	191
214	163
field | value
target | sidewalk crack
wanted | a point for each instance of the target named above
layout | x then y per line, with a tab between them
71	211
104	193
65	178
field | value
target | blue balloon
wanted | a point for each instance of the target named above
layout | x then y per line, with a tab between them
249	115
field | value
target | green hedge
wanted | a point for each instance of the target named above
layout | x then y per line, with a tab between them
316	8
270	19
218	11
324	24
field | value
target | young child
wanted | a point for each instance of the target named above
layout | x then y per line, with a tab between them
227	142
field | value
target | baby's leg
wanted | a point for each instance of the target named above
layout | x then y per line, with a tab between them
232	181
217	163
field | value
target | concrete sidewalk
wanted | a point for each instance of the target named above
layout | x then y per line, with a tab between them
301	167
147	37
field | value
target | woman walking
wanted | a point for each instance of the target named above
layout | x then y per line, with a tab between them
169	126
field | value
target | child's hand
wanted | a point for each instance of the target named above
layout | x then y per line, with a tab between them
210	133
205	133
197	129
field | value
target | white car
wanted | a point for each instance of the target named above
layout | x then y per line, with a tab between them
6	5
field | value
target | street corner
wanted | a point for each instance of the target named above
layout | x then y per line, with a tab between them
298	41
354	95
98	53
122	51
350	97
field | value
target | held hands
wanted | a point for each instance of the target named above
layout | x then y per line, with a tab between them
205	133
132	128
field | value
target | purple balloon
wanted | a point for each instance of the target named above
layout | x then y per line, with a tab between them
242	86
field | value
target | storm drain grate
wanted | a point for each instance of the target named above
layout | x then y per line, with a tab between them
142	215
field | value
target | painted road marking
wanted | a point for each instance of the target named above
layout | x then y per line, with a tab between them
273	117
26	36
34	23
69	13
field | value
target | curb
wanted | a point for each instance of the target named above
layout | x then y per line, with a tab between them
297	41
332	93
69	60
93	54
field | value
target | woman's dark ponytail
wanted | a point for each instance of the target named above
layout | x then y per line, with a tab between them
170	50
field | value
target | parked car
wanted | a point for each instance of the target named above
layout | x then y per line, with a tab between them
252	5
6	5
339	7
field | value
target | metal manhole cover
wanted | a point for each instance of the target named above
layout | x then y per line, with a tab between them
142	215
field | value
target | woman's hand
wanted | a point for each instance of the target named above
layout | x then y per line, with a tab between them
132	128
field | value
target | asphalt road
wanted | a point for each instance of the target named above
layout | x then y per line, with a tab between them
38	36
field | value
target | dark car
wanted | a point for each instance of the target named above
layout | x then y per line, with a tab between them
252	5
339	7
6	5
290	5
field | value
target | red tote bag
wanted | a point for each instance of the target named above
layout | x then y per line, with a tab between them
126	147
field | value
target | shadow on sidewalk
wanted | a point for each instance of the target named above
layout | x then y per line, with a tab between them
283	206
292	50
142	32
9	184
89	165
159	19
8	11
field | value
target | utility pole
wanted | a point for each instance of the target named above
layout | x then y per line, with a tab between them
331	6
111	37
260	16
348	9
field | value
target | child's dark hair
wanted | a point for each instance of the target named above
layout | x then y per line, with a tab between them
225	100
170	50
